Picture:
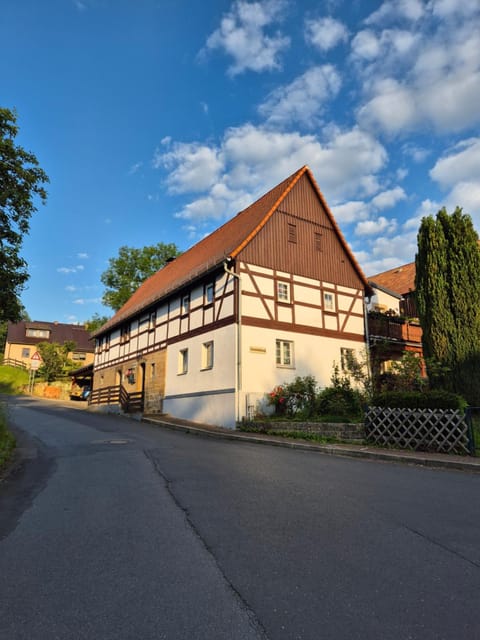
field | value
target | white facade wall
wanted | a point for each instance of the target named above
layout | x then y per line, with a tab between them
312	355
200	394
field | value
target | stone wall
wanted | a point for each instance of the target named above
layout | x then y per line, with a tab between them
340	431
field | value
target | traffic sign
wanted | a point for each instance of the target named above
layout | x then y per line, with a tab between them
36	356
34	365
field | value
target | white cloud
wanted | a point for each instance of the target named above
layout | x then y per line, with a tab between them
70	288
193	167
82	301
242	35
462	165
78	267
303	99
373	227
83	256
394	9
135	168
467	196
366	45
350	211
388	199
325	33
447	8
254	159
429	75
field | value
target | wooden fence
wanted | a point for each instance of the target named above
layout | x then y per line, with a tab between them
434	430
11	362
130	402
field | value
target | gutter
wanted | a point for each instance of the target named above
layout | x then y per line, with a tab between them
238	384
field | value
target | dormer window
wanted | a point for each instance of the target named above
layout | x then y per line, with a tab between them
38	333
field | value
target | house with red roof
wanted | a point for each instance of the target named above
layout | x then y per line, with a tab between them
272	294
393	325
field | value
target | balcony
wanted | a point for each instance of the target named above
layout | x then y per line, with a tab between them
394	328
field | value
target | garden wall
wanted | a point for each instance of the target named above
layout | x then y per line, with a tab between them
340	431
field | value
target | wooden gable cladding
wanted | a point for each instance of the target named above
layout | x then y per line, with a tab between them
300	238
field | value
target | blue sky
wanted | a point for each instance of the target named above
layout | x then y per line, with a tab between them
157	120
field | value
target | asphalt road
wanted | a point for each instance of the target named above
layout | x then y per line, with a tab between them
117	529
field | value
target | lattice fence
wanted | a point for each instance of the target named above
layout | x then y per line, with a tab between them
437	430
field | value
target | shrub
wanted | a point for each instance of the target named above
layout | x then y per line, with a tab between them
420	400
296	398
340	402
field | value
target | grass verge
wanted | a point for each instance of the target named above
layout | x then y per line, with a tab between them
12	380
7	440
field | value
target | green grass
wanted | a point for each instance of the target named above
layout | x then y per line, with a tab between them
12	380
7	440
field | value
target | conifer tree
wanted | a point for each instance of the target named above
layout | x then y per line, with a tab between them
448	301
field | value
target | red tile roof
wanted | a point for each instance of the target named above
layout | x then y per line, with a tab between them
400	280
226	242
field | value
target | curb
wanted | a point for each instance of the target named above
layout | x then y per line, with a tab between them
431	460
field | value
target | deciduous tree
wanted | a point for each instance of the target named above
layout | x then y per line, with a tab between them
130	268
21	182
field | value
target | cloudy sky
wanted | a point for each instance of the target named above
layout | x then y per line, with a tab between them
157	120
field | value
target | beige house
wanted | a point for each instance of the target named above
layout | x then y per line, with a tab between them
23	338
272	294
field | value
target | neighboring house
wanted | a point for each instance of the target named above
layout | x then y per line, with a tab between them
393	325
272	294
23	338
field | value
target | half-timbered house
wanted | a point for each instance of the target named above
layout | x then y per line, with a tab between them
272	294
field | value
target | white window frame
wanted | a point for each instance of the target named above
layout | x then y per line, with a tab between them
328	301
285	353
283	291
209	292
182	362
208	354
185	304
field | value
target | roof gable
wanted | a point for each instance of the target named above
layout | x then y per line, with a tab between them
59	333
225	242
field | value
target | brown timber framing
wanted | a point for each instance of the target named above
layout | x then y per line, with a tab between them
302	328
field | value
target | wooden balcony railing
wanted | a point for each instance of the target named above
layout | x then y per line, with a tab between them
394	328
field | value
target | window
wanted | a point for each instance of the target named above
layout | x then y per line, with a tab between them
209	293
25	353
38	333
292	233
207	355
328	301
152	370
283	291
125	333
182	361
346	356
318	241
79	356
185	304
284	353
152	321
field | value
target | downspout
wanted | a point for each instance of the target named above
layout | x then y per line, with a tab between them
367	338
239	334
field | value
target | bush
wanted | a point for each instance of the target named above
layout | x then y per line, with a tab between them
418	400
296	398
340	402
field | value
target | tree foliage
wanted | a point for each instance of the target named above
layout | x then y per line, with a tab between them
95	322
55	361
21	181
448	294
130	268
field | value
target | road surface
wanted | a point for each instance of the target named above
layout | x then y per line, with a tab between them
118	529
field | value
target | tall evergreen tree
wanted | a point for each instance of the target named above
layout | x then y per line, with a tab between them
448	300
